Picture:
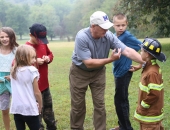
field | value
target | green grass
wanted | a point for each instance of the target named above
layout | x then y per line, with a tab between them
58	77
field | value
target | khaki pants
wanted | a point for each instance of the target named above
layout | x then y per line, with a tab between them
157	126
79	82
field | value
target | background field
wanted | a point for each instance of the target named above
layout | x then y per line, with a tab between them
58	77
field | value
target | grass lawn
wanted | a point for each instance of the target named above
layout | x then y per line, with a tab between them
58	78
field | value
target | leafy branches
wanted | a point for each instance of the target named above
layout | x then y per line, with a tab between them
147	12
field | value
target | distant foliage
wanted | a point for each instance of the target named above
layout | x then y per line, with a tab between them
64	18
150	14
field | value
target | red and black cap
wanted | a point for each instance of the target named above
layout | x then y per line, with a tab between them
39	31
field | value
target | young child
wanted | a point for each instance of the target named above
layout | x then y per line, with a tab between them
8	46
26	103
123	72
149	112
44	56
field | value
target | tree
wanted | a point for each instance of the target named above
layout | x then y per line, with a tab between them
62	9
3	7
16	18
147	12
79	17
38	2
47	17
73	20
0	24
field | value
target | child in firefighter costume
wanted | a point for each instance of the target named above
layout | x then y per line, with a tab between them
149	112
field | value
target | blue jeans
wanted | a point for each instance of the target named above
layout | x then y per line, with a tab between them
31	121
121	100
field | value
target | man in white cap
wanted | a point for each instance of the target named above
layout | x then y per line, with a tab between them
90	55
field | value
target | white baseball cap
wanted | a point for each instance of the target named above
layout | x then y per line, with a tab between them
100	18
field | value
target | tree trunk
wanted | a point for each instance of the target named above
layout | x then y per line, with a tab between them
20	36
68	38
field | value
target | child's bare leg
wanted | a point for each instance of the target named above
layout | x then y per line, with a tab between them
6	119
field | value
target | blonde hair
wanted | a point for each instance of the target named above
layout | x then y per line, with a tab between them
119	16
22	58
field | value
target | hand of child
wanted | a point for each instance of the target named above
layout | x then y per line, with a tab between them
40	61
7	77
135	68
39	108
46	59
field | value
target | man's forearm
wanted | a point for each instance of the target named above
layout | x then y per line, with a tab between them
136	57
133	55
95	63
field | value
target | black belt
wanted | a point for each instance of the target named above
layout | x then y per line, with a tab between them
88	70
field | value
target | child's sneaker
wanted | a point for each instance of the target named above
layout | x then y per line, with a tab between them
116	128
